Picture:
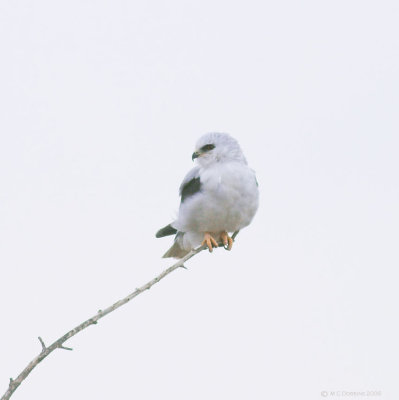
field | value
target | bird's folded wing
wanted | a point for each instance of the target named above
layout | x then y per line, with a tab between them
191	184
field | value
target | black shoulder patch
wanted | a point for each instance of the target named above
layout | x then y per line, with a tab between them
166	231
190	188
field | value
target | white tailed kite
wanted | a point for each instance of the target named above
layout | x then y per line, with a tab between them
218	196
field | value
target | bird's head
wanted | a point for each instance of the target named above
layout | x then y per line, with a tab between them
217	147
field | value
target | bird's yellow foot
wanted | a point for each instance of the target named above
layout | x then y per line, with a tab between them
209	241
227	240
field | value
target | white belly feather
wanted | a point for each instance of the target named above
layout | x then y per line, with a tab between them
228	200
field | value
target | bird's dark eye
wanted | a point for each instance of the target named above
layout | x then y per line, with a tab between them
207	147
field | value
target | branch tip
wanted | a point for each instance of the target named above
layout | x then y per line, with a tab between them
44	348
66	348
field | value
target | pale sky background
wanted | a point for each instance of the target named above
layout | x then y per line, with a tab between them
101	105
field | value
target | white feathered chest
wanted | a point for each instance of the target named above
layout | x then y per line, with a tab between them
227	200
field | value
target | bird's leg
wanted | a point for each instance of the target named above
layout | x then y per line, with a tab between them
209	241
227	240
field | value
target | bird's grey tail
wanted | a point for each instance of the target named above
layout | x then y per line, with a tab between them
177	251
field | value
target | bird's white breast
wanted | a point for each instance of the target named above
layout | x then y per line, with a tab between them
228	200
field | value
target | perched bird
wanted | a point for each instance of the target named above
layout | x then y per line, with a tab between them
219	195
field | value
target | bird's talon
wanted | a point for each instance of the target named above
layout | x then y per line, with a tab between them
227	241
209	241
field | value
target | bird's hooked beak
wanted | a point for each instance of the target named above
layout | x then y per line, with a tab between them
195	155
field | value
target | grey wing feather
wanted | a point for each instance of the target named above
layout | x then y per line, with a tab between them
192	174
166	231
191	184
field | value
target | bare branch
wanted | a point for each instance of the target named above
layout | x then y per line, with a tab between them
58	344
